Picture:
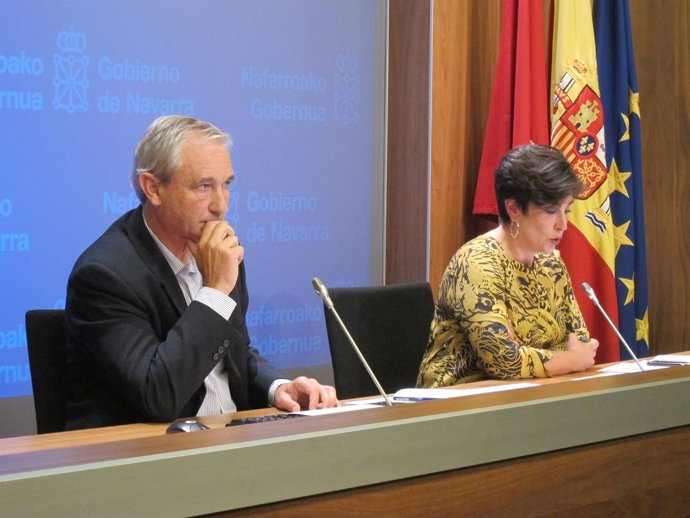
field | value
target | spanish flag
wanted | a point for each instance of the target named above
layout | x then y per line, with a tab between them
579	113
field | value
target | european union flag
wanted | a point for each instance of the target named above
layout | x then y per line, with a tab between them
620	99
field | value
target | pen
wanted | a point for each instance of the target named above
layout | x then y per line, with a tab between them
666	362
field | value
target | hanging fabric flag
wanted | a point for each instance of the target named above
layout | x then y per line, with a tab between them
620	97
519	101
588	247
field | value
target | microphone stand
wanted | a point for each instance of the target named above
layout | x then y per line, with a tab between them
592	296
322	292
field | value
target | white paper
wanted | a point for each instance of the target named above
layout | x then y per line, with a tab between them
339	409
623	368
629	366
415	394
600	374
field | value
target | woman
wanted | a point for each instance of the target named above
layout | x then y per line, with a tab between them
505	306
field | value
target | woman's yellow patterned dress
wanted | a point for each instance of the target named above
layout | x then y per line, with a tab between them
497	318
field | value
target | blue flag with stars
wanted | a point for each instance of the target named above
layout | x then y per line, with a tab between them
620	98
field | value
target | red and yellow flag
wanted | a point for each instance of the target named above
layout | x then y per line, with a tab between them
577	129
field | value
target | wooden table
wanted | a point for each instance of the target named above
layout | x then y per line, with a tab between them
614	445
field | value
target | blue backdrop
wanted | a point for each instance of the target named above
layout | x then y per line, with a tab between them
297	84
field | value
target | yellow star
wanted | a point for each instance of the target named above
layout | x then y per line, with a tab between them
620	236
642	328
630	284
625	136
634	102
618	179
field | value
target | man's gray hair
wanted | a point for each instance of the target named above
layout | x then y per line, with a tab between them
158	151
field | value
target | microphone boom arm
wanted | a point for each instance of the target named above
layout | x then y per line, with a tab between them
590	293
322	292
361	356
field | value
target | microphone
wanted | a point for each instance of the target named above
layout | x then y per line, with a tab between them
592	296
322	292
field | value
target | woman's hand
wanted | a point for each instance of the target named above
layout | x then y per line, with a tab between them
578	357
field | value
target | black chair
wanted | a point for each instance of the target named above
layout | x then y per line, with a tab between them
46	341
390	324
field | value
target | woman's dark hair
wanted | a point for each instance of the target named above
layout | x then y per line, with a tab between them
534	174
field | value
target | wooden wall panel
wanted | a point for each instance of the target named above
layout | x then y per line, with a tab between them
408	135
465	45
450	98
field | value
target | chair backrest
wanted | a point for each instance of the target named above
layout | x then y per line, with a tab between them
46	341
390	325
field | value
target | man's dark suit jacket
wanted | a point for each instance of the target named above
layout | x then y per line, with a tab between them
136	352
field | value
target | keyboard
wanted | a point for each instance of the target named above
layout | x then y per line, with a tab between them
262	419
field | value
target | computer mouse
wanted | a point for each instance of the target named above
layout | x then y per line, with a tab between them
187	425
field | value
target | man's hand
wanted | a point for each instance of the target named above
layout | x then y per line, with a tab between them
304	394
218	255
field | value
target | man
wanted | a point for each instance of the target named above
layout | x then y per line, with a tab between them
156	306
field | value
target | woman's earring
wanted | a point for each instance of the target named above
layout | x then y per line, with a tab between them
514	228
